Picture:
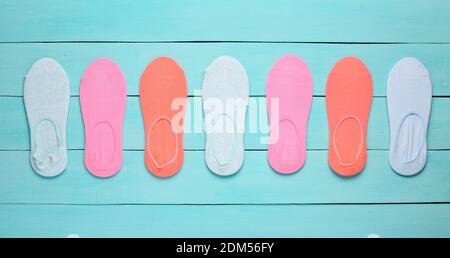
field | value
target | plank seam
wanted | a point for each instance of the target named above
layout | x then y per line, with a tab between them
194	150
199	96
229	204
224	42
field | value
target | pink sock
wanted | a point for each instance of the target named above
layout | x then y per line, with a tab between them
289	85
103	96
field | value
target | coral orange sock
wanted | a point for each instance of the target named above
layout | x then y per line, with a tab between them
348	98
163	95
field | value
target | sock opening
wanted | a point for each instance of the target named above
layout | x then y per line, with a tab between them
348	151
162	124
104	147
287	148
224	139
47	141
410	133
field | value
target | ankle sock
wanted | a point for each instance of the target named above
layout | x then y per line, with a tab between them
348	100
46	96
409	104
225	93
290	84
103	96
163	96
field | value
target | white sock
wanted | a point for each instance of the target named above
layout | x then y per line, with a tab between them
409	103
225	93
46	95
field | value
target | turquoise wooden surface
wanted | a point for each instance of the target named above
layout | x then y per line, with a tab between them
232	20
312	202
256	183
225	220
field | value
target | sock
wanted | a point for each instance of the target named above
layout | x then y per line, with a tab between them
290	83
225	92
348	100
409	103
46	96
163	96
103	96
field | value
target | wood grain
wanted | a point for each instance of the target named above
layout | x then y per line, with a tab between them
197	20
225	220
257	58
255	183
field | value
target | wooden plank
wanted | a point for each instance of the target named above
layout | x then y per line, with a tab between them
14	134
233	20
194	58
225	221
255	183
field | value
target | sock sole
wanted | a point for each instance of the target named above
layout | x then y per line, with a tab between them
46	97
163	97
348	101
103	96
290	83
408	94
225	93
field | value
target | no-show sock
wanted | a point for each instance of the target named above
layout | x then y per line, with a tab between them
348	100
163	97
408	96
103	96
290	85
225	92
46	95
